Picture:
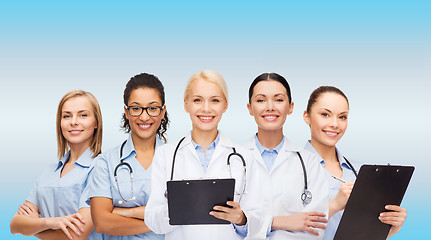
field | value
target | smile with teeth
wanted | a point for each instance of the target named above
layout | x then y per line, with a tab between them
75	132
331	134
144	125
270	117
206	118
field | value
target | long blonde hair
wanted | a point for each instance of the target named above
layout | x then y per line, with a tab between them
96	142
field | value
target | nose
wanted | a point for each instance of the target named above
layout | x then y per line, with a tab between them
144	116
206	106
269	106
334	122
74	120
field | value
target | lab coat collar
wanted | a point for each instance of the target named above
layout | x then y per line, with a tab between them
223	140
84	160
340	157
287	146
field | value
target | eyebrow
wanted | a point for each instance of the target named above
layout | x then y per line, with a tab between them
80	111
331	111
152	102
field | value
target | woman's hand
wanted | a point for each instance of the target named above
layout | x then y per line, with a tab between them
136	212
28	210
304	221
234	214
395	217
73	221
340	201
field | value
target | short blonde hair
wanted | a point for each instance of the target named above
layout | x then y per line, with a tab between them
210	76
96	142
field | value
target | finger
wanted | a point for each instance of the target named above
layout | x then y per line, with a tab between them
401	215
233	204
73	227
64	229
80	217
220	215
77	223
395	208
22	210
26	208
318	214
312	231
318	219
317	225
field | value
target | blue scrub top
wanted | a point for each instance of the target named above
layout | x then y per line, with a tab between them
102	182
58	197
334	187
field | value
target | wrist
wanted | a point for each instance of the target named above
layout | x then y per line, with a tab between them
242	221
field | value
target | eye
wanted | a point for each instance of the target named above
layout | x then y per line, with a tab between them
66	116
84	115
325	114
260	100
343	117
136	108
197	100
153	108
279	100
215	100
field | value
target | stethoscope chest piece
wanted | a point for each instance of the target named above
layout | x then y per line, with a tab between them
306	197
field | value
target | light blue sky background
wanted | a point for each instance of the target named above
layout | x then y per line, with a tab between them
377	52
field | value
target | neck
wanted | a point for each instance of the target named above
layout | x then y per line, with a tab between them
270	139
328	153
143	145
76	150
204	138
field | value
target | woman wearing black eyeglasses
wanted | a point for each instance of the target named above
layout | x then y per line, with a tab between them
120	183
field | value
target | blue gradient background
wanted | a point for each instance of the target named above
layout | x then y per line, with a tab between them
377	52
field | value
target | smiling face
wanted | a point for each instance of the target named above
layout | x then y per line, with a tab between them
78	121
144	126
206	104
327	119
269	105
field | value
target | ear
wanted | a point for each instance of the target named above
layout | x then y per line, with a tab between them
290	110
126	113
186	107
163	111
225	107
250	110
306	117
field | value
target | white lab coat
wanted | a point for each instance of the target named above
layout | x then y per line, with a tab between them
188	166
284	184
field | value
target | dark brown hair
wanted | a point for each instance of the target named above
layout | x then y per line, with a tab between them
321	90
145	80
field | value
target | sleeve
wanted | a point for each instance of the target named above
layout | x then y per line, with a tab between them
99	184
156	212
32	197
318	187
86	188
251	203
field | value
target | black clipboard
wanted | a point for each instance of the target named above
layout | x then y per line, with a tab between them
375	187
190	201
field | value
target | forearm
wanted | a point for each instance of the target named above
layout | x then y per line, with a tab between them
27	226
136	212
333	208
59	235
116	225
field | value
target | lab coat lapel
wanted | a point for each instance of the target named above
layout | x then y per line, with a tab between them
251	145
220	148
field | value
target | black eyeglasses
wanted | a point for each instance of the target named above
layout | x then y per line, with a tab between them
152	111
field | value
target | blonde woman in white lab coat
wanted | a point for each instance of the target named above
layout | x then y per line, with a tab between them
203	154
289	212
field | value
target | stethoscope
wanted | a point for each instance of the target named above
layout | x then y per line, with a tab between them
122	163
306	196
234	153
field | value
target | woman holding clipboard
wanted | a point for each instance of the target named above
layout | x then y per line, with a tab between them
327	114
295	194
202	155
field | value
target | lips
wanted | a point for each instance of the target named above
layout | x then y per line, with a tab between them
331	133
270	117
75	132
145	126
206	118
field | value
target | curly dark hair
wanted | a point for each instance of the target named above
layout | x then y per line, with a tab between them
145	80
